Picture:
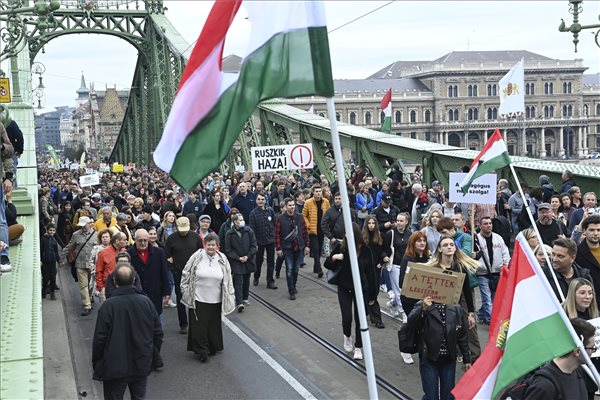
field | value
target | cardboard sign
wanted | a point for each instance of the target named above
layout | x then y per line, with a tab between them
89	180
117	168
421	280
282	158
596	323
482	190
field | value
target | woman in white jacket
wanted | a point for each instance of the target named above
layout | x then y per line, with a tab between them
207	291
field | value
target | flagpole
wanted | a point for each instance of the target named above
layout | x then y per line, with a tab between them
362	315
593	372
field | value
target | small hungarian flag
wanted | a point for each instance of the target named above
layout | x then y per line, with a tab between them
287	56
493	156
386	106
526	330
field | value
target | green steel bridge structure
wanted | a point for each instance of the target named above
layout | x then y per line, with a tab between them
162	55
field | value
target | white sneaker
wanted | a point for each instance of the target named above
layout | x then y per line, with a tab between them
170	304
407	358
391	294
5	267
382	288
357	354
403	317
348	346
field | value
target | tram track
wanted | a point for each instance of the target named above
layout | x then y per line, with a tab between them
381	382
328	287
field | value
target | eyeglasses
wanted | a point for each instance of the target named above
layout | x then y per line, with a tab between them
593	349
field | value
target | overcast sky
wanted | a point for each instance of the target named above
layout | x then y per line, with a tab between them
401	30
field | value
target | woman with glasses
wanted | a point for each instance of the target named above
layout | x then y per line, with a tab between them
581	303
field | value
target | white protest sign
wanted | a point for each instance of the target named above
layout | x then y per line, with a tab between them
596	323
89	180
74	166
482	190
280	158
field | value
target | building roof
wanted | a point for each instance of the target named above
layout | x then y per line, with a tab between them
231	63
83	90
356	86
111	109
387	72
591	80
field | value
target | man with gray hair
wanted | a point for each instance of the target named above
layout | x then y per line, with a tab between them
107	220
419	205
122	220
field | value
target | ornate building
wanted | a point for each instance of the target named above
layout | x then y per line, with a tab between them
454	99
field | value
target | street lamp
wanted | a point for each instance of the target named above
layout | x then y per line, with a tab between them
575	9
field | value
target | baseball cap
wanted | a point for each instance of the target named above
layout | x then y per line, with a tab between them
205	216
435	183
387	198
544	205
83	221
183	224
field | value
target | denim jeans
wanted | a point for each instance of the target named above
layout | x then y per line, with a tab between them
437	378
3	224
292	263
487	297
385	276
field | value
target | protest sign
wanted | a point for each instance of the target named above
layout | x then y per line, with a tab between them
89	180
596	323
282	158
117	168
421	280
481	191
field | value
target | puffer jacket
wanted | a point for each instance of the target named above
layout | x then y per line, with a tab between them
188	281
310	214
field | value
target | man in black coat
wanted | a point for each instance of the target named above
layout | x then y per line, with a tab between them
150	263
386	214
564	253
588	251
127	339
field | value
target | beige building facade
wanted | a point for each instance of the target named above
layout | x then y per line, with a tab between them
454	99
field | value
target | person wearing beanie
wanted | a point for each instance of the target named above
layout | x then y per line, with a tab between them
146	221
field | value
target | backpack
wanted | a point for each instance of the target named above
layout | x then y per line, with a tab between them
518	389
501	226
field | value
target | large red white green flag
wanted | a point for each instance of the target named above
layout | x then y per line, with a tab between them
526	330
493	156
386	107
287	56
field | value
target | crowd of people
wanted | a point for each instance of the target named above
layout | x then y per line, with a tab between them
139	234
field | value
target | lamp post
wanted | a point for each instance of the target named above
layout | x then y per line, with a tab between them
575	8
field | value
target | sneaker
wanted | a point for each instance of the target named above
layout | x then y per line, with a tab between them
357	354
5	264
255	282
246	302
379	325
292	296
271	286
459	358
319	275
348	346
403	317
240	308
407	358
382	288
391	294
170	304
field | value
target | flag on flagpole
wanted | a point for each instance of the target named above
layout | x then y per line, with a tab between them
527	329
493	156
512	92
287	56
386	107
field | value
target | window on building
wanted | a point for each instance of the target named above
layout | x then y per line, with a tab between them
427	136
398	117
548	88
450	115
455	114
473	114
567	111
551	111
338	116
450	91
567	87
455	91
470	90
413	116
413	135
475	91
353	118
427	116
492	90
598	110
532	88
585	110
368	118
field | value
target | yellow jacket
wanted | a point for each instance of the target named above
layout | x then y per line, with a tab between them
100	224
310	214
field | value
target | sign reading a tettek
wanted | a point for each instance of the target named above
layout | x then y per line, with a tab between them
421	280
89	180
482	190
282	158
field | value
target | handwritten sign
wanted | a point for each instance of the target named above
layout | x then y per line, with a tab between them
596	323
89	180
421	280
280	158
481	191
117	168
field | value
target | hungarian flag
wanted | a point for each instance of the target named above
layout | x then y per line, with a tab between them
527	329
386	106
493	156
287	56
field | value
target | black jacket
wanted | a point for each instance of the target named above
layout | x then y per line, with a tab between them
154	276
586	259
127	338
579	272
239	246
217	217
332	223
262	223
366	268
400	244
49	249
382	217
429	325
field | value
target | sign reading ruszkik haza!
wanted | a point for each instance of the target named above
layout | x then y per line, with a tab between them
282	158
421	280
481	191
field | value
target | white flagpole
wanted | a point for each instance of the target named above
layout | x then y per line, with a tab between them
362	315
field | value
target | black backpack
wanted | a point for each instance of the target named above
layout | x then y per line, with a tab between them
518	389
501	226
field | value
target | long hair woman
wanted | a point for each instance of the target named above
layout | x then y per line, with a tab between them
217	210
430	231
565	205
581	303
340	259
395	242
165	229
449	258
373	240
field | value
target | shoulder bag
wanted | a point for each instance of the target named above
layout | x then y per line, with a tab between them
408	339
390	263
